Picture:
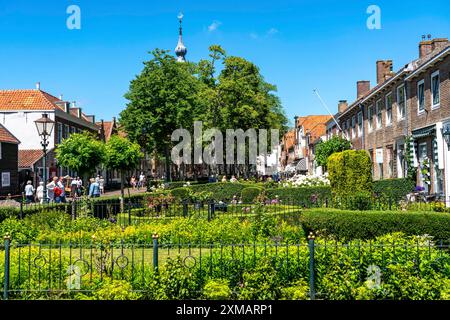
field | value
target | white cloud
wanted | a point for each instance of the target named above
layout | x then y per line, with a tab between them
214	26
272	31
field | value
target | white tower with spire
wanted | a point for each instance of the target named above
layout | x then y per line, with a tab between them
180	50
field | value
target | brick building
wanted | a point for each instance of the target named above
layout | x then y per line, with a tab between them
411	103
20	108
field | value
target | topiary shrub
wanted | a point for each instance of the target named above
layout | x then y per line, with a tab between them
350	172
249	194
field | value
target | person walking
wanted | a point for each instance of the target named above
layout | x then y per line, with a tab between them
94	189
40	192
51	189
61	185
101	183
73	188
141	183
79	186
29	192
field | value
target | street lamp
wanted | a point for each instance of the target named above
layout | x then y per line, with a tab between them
44	127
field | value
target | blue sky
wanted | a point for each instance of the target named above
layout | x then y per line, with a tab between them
298	45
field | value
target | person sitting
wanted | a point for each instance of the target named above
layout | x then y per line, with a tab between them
233	179
224	179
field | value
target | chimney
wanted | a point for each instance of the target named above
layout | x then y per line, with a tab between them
342	106
362	87
60	97
114	121
425	47
384	70
38	85
295	122
439	43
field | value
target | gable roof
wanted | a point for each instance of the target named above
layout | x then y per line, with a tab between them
315	125
33	99
7	137
28	157
108	126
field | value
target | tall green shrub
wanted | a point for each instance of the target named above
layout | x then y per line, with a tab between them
350	172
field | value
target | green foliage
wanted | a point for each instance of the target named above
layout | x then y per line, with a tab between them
261	283
176	281
112	290
217	289
350	172
122	154
180	193
348	225
395	189
249	194
81	152
297	291
326	148
221	191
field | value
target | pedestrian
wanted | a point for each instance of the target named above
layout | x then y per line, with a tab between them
224	179
29	192
133	182
51	189
73	188
40	192
61	185
141	181
94	189
79	186
101	183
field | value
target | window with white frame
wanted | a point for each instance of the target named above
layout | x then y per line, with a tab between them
435	90
370	118
360	123
353	128
59	134
378	111
401	103
389	109
421	96
6	179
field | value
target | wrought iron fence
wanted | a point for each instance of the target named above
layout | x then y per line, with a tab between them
64	271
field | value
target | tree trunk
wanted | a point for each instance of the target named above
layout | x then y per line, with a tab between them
168	173
122	190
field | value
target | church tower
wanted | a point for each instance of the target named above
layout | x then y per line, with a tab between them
180	50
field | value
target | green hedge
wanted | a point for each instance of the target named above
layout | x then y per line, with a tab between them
395	189
179	184
180	193
249	194
350	172
300	195
348	225
220	191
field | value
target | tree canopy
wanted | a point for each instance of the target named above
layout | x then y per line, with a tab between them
326	148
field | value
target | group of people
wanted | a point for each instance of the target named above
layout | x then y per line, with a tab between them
138	184
56	189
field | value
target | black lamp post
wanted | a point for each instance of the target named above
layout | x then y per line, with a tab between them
44	127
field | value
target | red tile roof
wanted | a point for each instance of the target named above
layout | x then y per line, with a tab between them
316	126
28	157
6	136
27	100
108	127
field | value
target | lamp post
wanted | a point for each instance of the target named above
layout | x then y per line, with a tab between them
44	127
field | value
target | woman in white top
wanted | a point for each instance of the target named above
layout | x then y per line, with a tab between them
29	192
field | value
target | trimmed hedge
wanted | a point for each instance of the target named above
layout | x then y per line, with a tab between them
180	193
395	189
305	195
350	172
179	184
348	225
221	191
249	194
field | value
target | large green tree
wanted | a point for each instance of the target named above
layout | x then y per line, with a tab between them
81	152
162	98
122	155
